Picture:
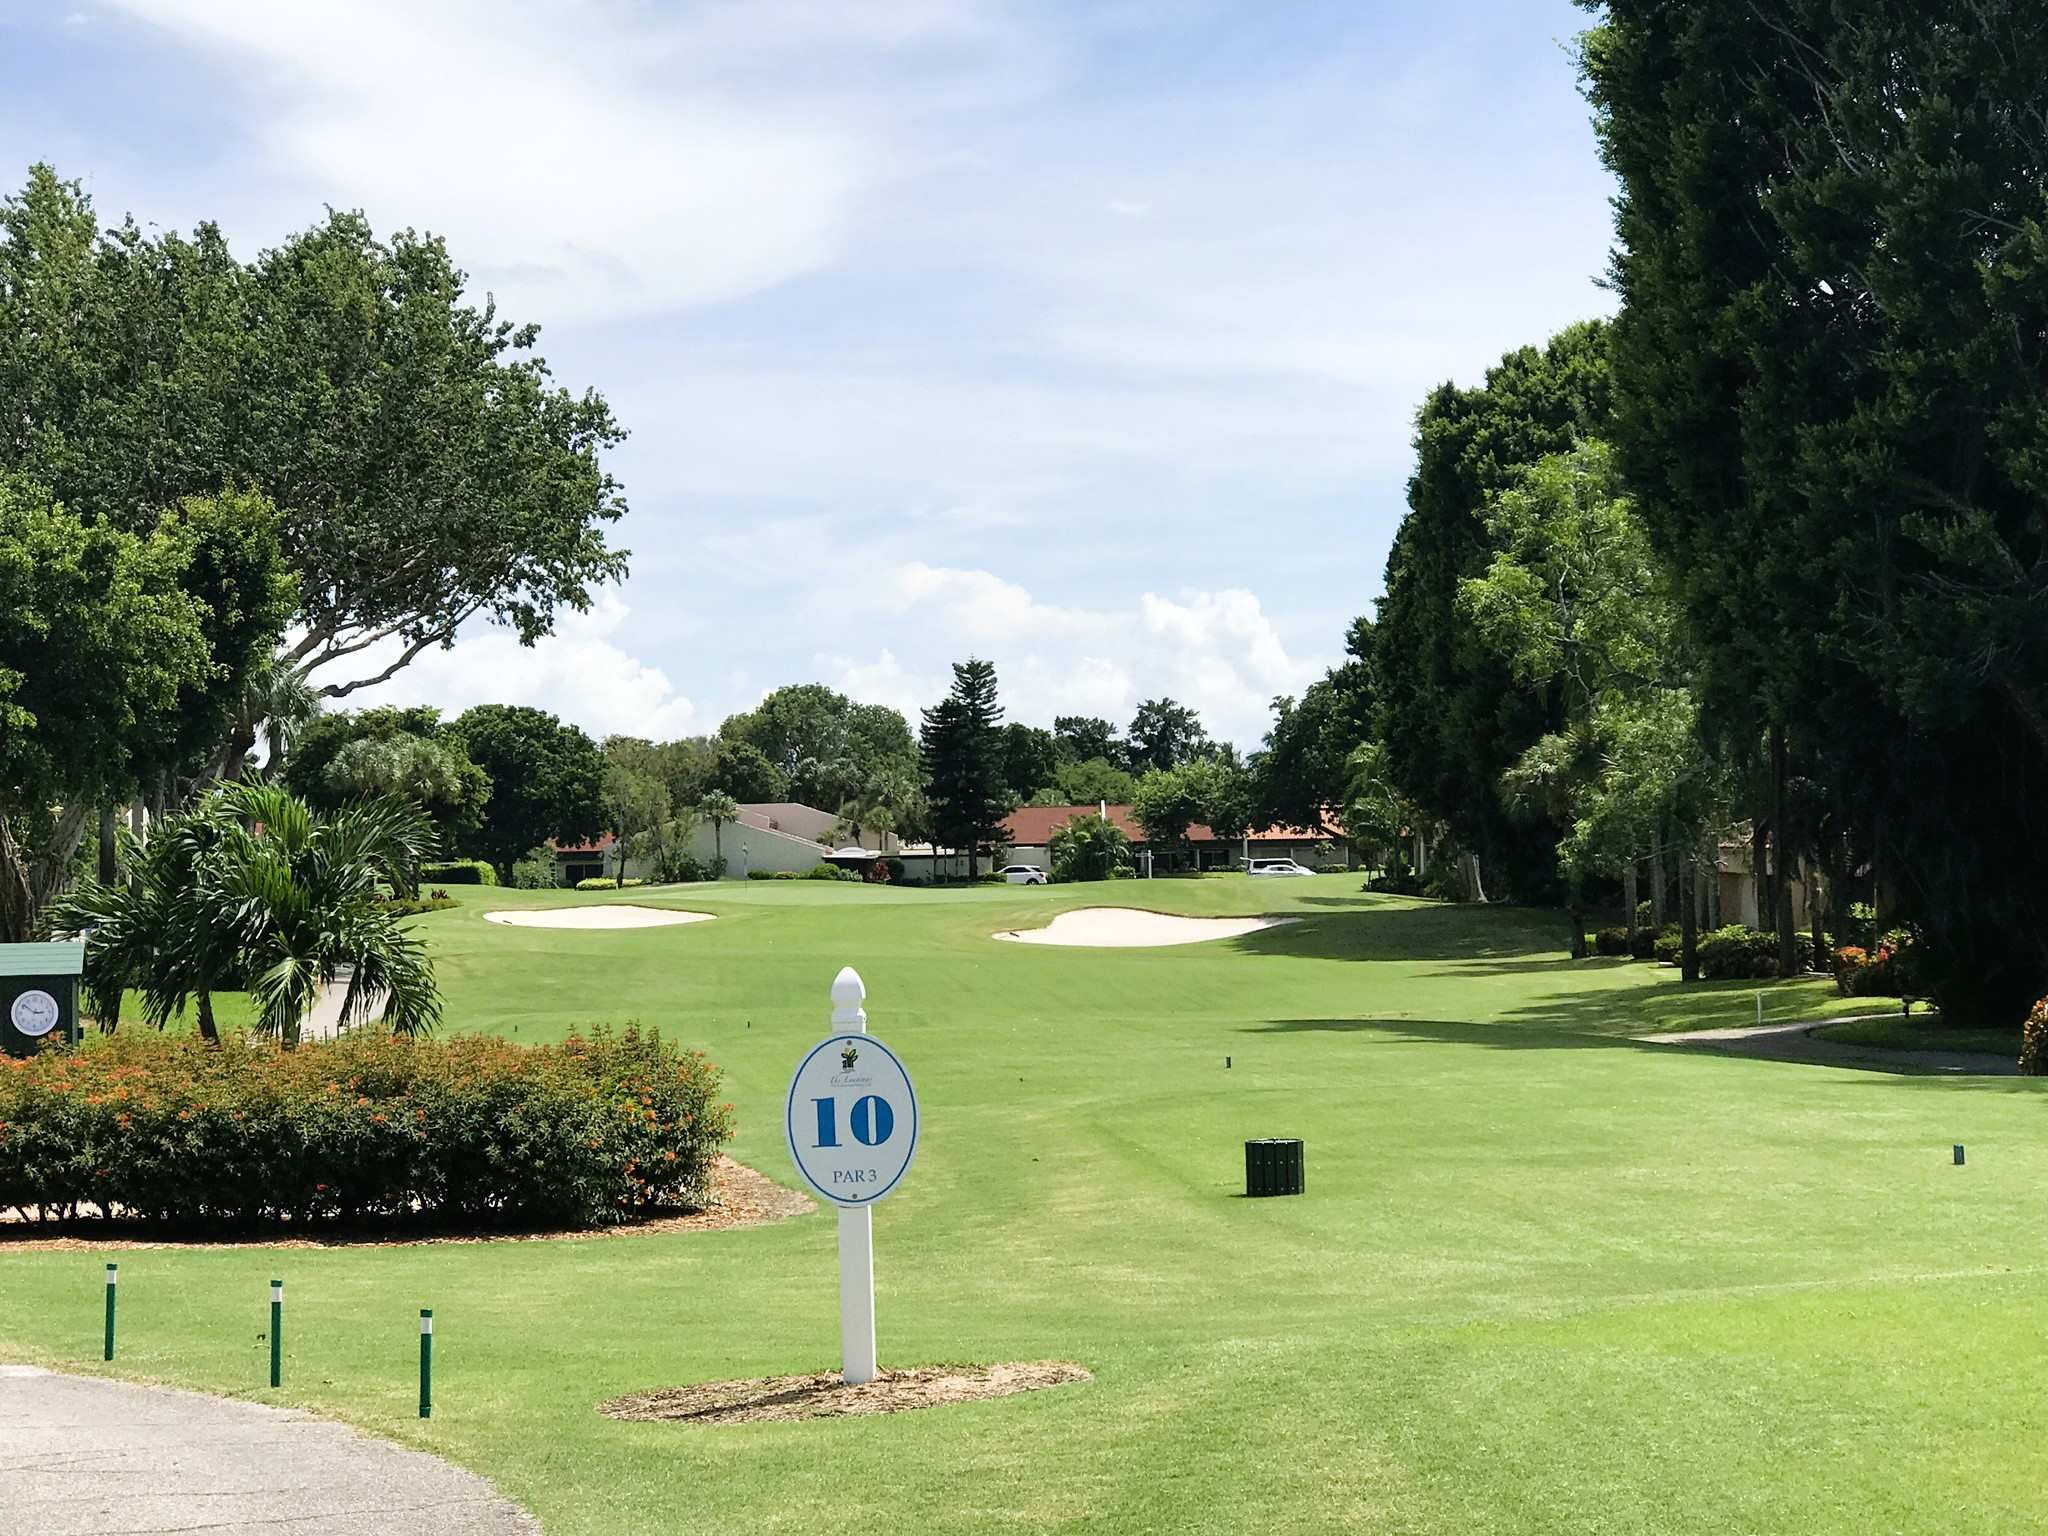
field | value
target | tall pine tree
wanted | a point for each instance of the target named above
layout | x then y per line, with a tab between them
962	747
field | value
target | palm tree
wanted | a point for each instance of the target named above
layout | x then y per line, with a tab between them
718	808
254	889
152	931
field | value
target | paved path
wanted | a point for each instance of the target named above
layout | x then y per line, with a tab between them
1797	1042
87	1457
324	1022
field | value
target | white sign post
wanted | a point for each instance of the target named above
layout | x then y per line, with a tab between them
851	1120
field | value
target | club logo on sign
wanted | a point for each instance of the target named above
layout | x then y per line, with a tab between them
851	1119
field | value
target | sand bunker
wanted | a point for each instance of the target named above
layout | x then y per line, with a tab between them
824	1395
614	916
1129	928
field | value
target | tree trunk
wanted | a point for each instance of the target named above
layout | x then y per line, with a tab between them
1789	963
109	868
208	1031
1628	899
1689	923
1577	912
1657	881
1704	875
1818	914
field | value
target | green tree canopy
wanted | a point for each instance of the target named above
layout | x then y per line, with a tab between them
1827	370
409	752
1165	734
1447	710
424	468
547	780
108	663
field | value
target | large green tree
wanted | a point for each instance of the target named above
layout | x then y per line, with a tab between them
1447	710
547	780
424	467
363	754
824	748
1165	734
118	652
962	748
1828	366
1301	773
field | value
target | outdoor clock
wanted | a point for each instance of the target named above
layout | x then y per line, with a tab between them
35	1013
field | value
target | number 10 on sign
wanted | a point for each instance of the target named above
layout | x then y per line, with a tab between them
851	1120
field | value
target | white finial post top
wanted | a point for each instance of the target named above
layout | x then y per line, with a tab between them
848	991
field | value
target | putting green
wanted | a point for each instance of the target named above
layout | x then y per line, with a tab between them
1544	1279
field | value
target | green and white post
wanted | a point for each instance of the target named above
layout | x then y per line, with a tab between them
276	1332
113	1274
426	1362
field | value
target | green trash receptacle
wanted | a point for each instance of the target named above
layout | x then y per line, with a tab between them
1273	1166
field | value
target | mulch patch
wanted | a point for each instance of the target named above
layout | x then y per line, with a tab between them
823	1395
740	1197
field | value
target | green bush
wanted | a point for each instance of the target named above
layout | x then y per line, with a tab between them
1644	945
896	868
1611	941
1669	947
823	871
630	881
1736	953
472	1131
1333	869
598	883
1889	970
459	872
1395	885
536	871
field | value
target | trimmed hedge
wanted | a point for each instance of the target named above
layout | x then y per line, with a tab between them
471	1131
458	872
598	883
1737	953
823	871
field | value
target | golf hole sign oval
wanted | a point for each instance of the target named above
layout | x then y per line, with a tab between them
851	1119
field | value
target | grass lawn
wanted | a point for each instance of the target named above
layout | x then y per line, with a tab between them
1545	1279
1897	1032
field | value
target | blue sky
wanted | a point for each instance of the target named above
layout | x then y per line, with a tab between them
1084	337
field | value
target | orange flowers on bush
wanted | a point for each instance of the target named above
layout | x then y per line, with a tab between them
468	1131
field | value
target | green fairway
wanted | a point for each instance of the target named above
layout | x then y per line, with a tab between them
1545	1278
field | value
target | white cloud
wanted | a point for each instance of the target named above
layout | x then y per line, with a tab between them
584	160
1216	651
580	673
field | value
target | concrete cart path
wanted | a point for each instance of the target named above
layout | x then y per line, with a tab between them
324	1022
87	1457
1798	1042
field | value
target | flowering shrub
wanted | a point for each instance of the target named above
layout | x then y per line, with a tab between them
371	1128
1888	970
2034	1041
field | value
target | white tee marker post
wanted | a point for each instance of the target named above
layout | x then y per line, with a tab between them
852	1124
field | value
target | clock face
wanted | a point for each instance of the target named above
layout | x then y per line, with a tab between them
34	1013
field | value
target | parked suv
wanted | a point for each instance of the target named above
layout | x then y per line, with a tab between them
1023	874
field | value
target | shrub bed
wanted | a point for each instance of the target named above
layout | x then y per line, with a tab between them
824	871
368	1129
598	883
2034	1042
1737	953
412	906
458	872
1611	941
1887	970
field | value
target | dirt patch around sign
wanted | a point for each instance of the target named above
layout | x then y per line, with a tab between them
823	1395
740	1197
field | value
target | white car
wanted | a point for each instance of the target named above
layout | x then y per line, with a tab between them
1023	874
1285	868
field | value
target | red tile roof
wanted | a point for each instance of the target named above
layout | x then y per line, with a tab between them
603	844
1032	826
